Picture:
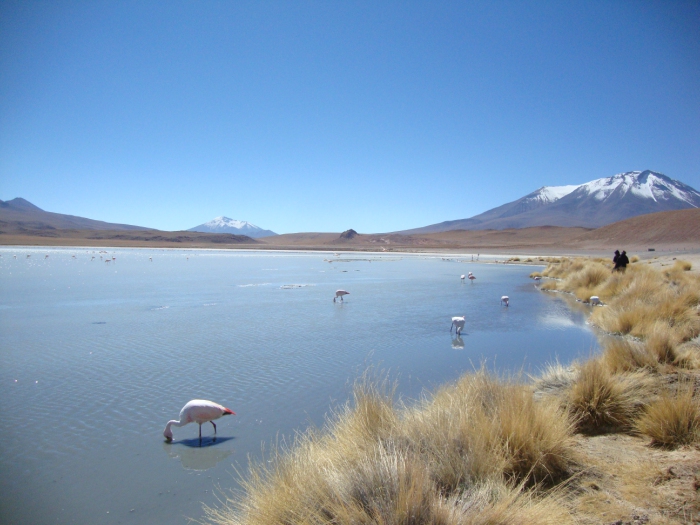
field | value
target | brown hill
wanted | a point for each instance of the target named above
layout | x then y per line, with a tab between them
666	228
138	238
20	216
544	237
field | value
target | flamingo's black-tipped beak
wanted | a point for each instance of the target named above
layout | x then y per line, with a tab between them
228	412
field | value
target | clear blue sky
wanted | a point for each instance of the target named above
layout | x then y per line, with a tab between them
324	116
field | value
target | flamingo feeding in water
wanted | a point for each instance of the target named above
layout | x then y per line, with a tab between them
462	277
197	411
471	277
340	293
458	322
505	300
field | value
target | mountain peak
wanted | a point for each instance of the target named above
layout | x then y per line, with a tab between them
645	184
18	203
224	224
590	205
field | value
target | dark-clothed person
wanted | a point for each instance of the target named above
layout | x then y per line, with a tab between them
621	261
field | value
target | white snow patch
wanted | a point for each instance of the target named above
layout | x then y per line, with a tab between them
554	193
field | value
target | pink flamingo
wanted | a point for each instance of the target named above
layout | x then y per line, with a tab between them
197	411
505	300
471	277
340	293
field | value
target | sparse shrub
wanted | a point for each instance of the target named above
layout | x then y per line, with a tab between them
634	259
535	274
674	418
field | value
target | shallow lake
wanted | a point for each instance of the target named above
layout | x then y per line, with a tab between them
96	356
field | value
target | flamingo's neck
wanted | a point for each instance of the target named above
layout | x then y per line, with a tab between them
174	423
169	433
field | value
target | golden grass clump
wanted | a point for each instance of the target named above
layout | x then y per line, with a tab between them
621	355
482	428
463	456
535	274
604	402
634	259
674	418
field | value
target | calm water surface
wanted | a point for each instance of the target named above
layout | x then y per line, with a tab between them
96	357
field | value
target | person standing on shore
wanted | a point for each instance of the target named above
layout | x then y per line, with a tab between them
623	261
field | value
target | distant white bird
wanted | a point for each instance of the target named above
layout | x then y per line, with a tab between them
537	278
340	293
198	411
150	259
505	300
595	299
458	322
462	277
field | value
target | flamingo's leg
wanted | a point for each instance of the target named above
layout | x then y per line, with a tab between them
200	434
214	426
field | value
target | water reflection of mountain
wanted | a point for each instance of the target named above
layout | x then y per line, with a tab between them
194	457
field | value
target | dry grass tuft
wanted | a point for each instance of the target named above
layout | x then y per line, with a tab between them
621	355
674	418
604	402
554	380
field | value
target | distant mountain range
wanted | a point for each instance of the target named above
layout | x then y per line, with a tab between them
226	225
20	215
589	205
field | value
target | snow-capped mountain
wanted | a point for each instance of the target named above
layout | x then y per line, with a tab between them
593	204
226	225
